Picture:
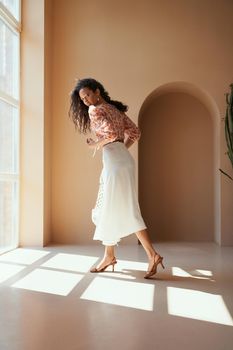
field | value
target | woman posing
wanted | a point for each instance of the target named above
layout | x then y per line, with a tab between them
117	212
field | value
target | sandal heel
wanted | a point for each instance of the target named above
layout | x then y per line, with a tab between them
113	263
161	262
153	270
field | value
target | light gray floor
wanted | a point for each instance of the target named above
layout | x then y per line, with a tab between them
49	300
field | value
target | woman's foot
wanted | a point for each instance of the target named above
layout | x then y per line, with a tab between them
153	263
106	261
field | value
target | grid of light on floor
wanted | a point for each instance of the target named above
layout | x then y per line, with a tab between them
121	293
47	281
23	256
198	305
71	262
8	270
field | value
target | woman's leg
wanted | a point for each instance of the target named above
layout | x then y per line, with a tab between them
109	251
144	239
108	256
147	245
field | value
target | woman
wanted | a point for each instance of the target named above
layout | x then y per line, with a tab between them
117	213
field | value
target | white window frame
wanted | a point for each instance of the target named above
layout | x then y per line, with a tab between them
15	26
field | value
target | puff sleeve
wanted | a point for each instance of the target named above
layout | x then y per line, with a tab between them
101	123
131	129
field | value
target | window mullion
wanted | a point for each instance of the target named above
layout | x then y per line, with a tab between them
10	126
9	177
10	20
9	99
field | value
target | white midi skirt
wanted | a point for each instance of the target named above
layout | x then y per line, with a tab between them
117	212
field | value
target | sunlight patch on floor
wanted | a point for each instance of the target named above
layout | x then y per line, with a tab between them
9	270
23	256
126	265
205	272
47	281
71	262
177	271
198	305
124	269
116	274
121	293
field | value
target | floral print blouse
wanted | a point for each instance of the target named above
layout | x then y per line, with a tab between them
110	123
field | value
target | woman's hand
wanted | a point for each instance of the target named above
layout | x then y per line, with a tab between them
128	142
97	144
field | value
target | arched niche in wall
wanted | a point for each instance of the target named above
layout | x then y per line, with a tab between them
179	189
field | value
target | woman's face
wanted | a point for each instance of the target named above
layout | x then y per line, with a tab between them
89	97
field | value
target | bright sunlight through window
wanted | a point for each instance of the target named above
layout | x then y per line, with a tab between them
198	305
8	270
53	282
121	293
198	274
128	266
23	256
71	262
177	271
10	29
205	272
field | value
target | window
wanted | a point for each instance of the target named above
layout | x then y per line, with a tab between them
9	122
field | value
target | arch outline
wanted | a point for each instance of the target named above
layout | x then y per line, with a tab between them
207	100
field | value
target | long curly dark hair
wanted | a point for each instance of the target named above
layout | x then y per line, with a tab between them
78	111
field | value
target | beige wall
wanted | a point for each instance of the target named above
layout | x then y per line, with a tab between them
176	161
133	48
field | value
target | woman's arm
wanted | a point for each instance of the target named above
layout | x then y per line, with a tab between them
132	131
102	126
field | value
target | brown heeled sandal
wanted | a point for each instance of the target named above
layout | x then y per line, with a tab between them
112	263
154	267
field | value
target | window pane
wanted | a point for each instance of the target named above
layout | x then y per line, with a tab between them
12	6
9	140
8	214
9	61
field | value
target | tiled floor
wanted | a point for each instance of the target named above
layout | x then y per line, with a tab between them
49	300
